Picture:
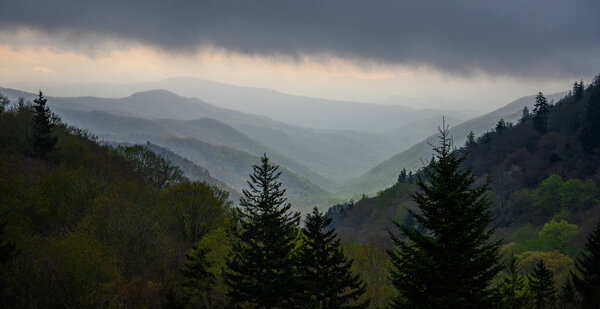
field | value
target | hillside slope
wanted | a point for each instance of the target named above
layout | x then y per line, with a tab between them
233	167
385	174
535	176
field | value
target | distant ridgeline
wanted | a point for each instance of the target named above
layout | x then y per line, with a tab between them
545	166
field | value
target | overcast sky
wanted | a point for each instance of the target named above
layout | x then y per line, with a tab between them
454	54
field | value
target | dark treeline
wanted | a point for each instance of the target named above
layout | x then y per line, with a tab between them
87	225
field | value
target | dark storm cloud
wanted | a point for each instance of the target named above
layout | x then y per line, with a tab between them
507	37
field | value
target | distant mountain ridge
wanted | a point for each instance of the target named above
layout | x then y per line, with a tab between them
336	155
295	110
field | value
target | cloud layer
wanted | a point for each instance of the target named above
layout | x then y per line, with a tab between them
526	38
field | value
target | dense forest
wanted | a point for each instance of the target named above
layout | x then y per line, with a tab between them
509	220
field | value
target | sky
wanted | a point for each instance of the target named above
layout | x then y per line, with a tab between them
462	54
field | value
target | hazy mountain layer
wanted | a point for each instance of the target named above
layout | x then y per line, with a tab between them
291	109
336	155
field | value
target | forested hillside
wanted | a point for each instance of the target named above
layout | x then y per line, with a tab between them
384	174
86	225
543	172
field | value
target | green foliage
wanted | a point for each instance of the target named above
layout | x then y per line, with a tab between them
196	208
453	263
90	227
588	282
556	235
513	287
261	268
542	285
324	271
547	195
373	264
561	265
198	278
578	195
568	295
151	167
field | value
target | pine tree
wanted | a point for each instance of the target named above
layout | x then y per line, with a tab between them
199	279
540	113
590	135
4	101
596	81
588	283
260	270
525	114
411	177
7	250
542	285
568	295
451	263
513	289
500	126
324	271
44	141
470	140
578	88
403	177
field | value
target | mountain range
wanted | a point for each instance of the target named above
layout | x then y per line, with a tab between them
321	164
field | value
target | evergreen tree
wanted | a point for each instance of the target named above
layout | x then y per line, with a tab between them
403	177
500	126
540	113
4	101
411	177
199	279
43	140
590	134
588	283
7	249
452	262
260	270
578	88
542	285
568	295
596	81
470	140
513	289
324	271
525	114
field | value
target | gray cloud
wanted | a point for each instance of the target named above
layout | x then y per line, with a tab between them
526	38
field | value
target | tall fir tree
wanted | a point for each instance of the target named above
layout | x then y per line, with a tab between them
540	113
260	270
198	279
588	265
578	88
596	81
43	140
525	115
513	288
590	134
470	140
403	177
452	262
324	271
568	295
542	285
